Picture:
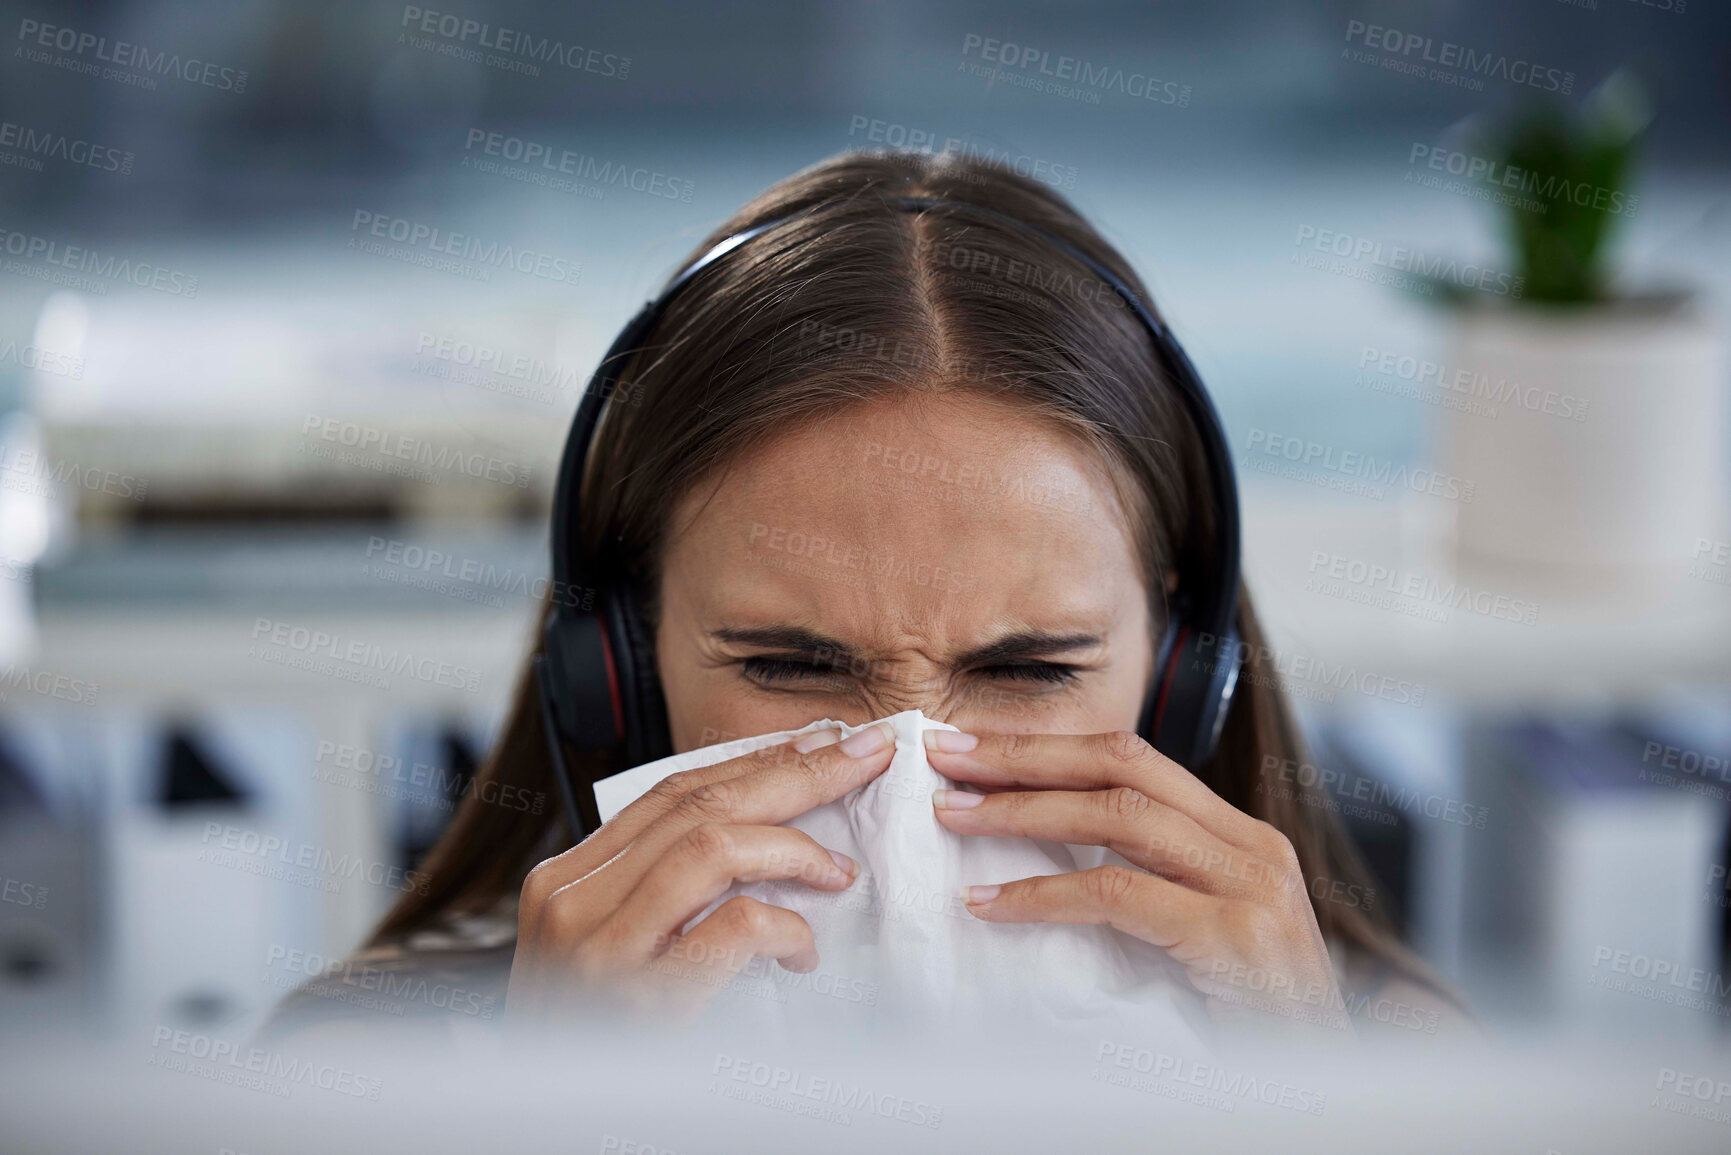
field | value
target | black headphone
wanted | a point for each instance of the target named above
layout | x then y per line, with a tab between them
596	675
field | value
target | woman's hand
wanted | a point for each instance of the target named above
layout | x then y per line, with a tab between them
1220	891
599	927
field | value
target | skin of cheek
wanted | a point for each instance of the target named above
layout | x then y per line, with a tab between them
795	534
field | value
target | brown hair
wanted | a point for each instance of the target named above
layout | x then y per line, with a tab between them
856	300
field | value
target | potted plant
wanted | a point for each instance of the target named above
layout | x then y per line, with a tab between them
1596	458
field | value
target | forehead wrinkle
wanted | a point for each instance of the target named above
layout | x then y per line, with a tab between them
1027	562
940	641
890	620
1017	587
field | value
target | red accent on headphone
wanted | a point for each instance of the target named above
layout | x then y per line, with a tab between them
1166	679
613	687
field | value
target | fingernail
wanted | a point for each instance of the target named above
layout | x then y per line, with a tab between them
956	799
868	741
950	741
979	895
817	740
847	864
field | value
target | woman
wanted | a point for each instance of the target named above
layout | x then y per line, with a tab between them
1058	489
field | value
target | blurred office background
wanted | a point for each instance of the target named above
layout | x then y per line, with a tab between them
208	450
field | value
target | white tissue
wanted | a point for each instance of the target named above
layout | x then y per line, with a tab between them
900	946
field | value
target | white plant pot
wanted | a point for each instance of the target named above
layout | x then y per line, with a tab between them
1604	460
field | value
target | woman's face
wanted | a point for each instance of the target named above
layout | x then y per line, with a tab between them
947	553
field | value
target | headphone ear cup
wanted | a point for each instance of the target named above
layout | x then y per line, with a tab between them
579	679
1190	698
647	735
1149	721
1222	657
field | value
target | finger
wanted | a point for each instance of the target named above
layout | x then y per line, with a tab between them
1142	905
703	864
697	966
1093	762
668	792
540	885
779	784
764	787
1126	821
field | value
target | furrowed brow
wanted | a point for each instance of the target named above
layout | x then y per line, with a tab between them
796	639
1020	645
1027	644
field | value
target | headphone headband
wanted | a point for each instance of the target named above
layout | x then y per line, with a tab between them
597	681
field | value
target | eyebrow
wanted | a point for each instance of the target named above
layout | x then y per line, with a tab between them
1021	644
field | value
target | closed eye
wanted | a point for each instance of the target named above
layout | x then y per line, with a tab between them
1054	672
769	669
787	669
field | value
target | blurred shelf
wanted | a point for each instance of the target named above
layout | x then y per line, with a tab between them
1583	648
377	616
381	567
